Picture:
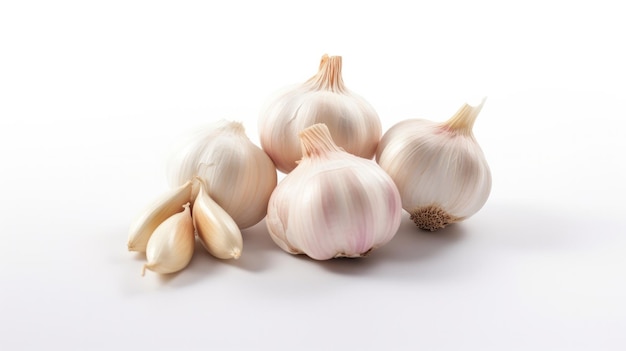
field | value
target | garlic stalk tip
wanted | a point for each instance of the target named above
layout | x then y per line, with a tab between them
463	120
316	140
329	75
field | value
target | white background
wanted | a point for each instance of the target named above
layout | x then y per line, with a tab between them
93	95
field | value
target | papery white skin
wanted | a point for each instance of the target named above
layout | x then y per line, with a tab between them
171	246
240	176
165	206
437	167
217	231
352	121
333	204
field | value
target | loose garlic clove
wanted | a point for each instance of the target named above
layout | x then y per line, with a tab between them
171	246
439	168
169	204
217	231
333	204
352	121
239	175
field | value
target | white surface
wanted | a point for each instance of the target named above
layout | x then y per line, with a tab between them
92	96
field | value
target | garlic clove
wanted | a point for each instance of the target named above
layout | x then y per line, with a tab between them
439	168
218	232
240	176
324	98
167	205
333	204
171	246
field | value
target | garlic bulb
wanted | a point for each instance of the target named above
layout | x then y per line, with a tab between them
439	168
167	205
353	122
171	246
333	204
240	176
217	231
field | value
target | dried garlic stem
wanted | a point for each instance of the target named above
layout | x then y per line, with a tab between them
329	75
463	120
316	140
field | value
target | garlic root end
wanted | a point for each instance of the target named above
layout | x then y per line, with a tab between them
431	218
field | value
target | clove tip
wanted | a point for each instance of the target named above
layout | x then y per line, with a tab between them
236	253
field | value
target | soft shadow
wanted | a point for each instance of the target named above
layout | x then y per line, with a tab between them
462	248
410	246
536	227
258	249
139	256
200	268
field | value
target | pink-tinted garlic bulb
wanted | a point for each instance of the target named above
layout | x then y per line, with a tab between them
333	204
